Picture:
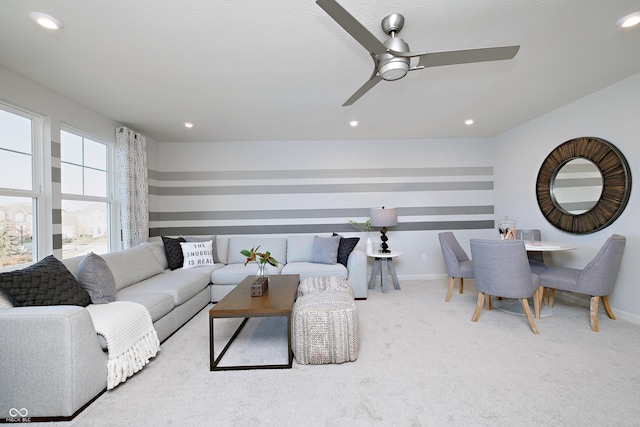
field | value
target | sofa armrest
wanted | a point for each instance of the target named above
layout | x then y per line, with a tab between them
357	266
52	363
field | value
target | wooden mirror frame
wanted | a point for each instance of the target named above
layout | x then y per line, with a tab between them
616	185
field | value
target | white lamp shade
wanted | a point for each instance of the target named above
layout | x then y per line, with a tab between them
383	217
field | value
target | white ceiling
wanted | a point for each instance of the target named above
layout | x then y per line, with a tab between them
281	69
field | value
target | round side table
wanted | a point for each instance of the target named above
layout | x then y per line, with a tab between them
381	261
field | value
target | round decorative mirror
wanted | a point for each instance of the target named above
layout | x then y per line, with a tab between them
577	186
583	185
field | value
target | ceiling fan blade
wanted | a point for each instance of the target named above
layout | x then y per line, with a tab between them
374	80
451	57
352	26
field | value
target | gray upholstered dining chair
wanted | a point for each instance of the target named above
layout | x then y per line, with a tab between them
501	269
597	279
536	258
456	261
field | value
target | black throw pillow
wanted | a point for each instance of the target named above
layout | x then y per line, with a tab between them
346	246
47	282
173	251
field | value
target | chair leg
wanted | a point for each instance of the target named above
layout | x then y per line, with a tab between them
451	280
488	299
537	300
461	285
479	304
552	294
593	313
527	312
607	307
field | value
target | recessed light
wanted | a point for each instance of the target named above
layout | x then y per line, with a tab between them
629	21
188	125
47	21
468	122
353	123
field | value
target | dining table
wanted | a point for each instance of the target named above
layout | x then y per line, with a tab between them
514	306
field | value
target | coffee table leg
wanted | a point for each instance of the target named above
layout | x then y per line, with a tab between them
214	361
289	340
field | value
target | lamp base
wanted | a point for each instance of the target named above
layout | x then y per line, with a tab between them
384	238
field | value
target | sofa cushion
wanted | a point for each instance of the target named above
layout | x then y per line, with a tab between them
47	282
277	246
232	274
346	246
157	247
197	254
173	252
132	265
299	248
181	285
325	249
214	246
96	278
222	244
157	303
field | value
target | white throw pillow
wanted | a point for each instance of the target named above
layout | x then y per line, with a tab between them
197	254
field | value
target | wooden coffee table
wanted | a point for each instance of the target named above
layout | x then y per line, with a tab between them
277	301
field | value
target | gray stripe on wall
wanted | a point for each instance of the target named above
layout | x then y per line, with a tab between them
319	173
313	213
56	174
320	188
57	216
577	182
57	241
56	149
315	228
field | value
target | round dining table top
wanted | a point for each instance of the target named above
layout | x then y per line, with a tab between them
546	246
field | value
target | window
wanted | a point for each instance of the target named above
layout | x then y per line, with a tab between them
20	142
86	194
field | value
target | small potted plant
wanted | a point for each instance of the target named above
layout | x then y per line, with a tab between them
260	258
365	227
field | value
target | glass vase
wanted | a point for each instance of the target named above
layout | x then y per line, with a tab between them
262	271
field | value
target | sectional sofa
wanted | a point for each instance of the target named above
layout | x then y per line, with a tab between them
53	362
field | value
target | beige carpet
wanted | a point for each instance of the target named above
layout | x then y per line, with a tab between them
422	363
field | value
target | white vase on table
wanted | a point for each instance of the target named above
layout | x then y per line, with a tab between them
369	246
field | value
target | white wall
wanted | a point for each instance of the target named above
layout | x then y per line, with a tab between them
611	114
25	94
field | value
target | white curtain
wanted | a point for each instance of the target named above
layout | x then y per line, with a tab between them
133	186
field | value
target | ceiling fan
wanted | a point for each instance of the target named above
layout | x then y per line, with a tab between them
392	58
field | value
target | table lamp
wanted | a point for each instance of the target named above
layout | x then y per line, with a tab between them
381	217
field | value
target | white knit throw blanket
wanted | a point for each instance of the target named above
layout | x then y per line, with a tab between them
131	338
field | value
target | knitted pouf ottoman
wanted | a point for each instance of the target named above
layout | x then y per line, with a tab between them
312	285
324	328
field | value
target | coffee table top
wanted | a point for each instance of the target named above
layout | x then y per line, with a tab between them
277	301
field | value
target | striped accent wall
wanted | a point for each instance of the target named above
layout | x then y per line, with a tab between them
318	200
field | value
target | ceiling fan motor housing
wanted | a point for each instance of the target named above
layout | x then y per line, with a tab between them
394	67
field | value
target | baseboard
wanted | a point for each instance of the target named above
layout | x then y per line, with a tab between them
422	277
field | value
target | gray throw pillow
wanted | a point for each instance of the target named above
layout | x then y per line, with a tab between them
96	278
325	250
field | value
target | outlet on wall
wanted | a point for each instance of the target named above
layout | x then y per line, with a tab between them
424	257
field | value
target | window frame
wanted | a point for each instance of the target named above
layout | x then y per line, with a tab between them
113	231
37	194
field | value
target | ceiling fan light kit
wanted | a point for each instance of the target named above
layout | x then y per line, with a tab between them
392	58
